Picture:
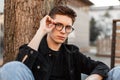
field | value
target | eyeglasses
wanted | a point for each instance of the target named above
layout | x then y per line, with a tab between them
60	26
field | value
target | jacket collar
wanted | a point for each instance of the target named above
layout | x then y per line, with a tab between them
44	49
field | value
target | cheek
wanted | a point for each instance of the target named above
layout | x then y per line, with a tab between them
53	32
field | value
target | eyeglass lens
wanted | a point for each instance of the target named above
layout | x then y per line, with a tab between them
60	26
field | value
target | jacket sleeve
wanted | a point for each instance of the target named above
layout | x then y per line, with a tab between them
27	55
88	66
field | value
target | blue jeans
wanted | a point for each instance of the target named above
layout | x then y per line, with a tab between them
114	74
15	71
18	71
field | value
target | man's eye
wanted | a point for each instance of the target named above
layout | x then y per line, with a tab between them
68	27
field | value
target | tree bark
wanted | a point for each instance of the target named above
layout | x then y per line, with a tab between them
21	22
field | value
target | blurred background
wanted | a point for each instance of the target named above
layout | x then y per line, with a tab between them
93	27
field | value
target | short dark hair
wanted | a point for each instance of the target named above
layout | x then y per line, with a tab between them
63	10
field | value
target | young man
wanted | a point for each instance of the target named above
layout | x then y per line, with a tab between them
48	58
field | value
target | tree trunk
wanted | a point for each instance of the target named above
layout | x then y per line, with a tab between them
21	22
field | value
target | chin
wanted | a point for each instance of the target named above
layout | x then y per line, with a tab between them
60	42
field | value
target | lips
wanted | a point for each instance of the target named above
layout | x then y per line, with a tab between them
61	37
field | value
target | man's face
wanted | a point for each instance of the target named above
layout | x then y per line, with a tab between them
59	36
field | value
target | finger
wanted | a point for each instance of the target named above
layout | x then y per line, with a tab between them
51	26
50	20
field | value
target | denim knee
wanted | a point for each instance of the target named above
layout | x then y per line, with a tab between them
114	74
15	71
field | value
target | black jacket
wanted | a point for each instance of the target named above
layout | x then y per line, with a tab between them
76	62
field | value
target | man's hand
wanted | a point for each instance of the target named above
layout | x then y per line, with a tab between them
94	77
46	24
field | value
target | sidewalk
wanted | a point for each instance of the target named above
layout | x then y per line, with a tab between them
92	53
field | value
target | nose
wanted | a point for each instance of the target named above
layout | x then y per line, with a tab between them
63	30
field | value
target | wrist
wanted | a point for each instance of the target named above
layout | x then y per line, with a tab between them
40	32
94	77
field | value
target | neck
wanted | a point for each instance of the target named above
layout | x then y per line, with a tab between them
52	44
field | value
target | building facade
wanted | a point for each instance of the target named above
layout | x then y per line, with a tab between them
80	36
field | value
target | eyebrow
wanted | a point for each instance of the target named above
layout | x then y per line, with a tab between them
62	24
